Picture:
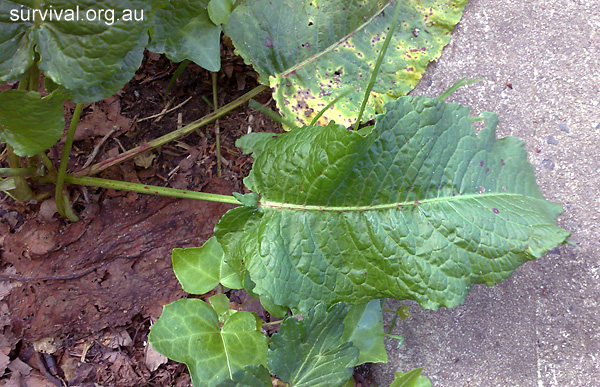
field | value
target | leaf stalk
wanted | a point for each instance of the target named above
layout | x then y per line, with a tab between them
149	189
62	198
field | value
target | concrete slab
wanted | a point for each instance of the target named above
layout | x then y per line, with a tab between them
540	61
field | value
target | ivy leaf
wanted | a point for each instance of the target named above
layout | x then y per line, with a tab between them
28	123
253	376
183	30
92	57
419	208
201	269
188	331
410	379
309	52
310	353
220	303
363	326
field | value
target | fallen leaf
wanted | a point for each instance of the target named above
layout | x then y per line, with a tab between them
153	358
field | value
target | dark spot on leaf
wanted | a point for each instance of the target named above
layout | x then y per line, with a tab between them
495	211
481	163
268	42
487	170
502	162
310	24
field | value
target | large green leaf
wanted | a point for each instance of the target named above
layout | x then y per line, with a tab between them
92	55
420	208
310	353
188	331
201	269
363	327
29	123
183	30
310	51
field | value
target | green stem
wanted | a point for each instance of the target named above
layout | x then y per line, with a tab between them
217	129
34	78
329	105
62	199
460	83
101	166
22	191
149	189
180	69
18	172
48	164
388	38
272	323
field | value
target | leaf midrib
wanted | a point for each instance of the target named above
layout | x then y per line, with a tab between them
386	206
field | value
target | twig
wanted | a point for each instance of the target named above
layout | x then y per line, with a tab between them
164	112
97	148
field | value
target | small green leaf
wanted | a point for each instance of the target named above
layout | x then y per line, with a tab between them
188	331
363	326
410	379
252	376
183	30
201	269
310	353
271	307
219	11
249	200
220	303
31	124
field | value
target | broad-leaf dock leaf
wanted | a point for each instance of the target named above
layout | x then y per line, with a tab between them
310	51
419	208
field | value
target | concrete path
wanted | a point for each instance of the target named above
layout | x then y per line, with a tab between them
541	327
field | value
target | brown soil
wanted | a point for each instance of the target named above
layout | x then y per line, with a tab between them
87	292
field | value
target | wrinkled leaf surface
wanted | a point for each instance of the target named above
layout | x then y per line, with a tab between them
420	208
